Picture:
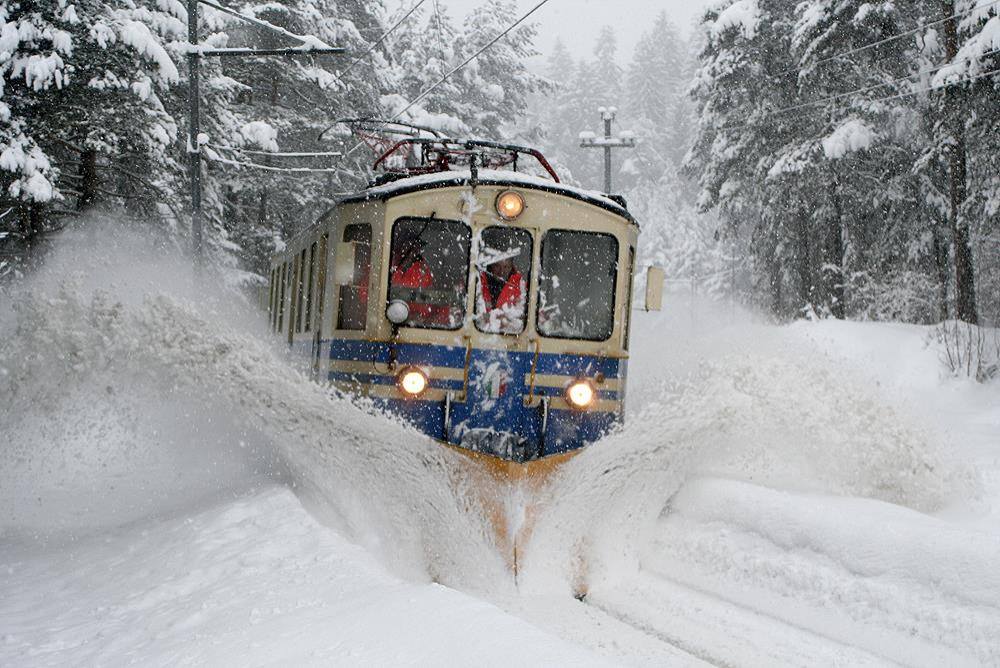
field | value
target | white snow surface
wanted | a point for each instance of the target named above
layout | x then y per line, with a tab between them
173	490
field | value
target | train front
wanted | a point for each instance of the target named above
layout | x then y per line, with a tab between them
491	311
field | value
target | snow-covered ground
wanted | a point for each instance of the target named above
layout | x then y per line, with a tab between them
173	491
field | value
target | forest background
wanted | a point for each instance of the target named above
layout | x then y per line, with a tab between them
825	158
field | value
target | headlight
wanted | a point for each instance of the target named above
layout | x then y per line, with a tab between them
581	393
510	205
412	381
397	312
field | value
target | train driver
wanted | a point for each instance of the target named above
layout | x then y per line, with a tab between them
410	270
502	291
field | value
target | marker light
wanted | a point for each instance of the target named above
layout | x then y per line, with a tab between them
412	381
510	205
581	394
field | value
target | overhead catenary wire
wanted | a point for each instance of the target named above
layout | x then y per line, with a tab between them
468	60
934	88
905	77
887	40
458	67
886	98
381	39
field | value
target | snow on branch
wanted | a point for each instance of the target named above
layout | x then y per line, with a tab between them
308	42
743	14
851	137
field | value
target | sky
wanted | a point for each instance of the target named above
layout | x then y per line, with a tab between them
577	22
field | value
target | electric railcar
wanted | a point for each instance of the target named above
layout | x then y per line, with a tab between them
488	307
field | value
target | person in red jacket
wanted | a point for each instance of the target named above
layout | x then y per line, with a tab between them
412	280
409	269
502	291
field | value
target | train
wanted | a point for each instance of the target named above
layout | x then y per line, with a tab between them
481	300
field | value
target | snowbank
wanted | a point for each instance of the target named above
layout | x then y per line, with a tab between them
250	582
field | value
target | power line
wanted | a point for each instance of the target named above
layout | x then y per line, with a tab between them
473	57
455	69
893	38
380	39
872	101
838	96
933	88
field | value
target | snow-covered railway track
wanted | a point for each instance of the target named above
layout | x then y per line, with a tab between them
718	631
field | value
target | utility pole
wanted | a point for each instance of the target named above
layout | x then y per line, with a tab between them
308	46
193	145
965	288
625	139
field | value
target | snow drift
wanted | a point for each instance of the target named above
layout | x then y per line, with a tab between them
123	373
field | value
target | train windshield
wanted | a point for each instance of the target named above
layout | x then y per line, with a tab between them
428	269
576	289
503	266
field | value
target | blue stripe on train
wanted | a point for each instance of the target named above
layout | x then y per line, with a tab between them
364	351
483	411
454	356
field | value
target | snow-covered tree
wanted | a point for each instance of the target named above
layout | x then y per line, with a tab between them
83	81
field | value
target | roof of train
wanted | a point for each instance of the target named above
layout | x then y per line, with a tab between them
486	177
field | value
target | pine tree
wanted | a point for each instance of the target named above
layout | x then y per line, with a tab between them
81	88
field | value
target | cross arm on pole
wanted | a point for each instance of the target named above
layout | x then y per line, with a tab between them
601	142
292	51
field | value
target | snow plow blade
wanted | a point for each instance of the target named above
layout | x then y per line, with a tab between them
499	484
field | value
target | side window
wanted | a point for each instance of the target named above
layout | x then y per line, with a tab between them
309	286
272	287
300	284
282	280
429	270
320	280
576	288
503	266
352	312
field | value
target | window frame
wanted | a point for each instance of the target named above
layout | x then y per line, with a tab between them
307	325
300	290
527	282
614	283
338	287
282	279
468	269
271	301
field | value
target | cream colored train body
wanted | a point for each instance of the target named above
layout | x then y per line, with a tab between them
521	383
